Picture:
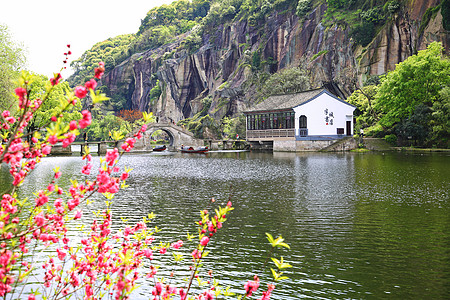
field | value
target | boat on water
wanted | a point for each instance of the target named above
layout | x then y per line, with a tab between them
190	149
160	148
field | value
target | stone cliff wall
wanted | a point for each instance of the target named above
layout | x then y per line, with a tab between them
221	68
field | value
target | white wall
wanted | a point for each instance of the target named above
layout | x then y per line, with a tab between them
315	113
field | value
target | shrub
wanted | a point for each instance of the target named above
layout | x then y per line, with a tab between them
303	7
363	33
391	139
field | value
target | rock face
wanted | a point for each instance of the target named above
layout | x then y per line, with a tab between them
221	69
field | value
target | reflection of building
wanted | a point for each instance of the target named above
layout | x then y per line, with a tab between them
295	120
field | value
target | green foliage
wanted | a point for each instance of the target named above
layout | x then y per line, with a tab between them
392	6
303	7
372	80
232	127
374	15
440	119
319	54
102	124
427	16
365	113
111	51
363	33
256	60
417	80
391	139
445	11
202	125
336	3
155	92
53	104
12	59
291	80
193	41
416	127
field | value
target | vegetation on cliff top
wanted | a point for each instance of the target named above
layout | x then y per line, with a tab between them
162	24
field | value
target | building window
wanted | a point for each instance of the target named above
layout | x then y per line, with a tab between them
340	130
303	122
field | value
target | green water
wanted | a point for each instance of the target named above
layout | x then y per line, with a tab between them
360	226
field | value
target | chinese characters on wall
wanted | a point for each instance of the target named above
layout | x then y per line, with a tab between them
329	116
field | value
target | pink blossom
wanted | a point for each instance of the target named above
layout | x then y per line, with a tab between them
50	187
100	70
182	294
148	253
86	169
73	125
39	219
91	84
266	294
158	288
204	241
80	92
129	144
42	199
55	80
58	202
46	149
111	156
77	215
61	254
20	92
251	286
178	244
124	176
52	139
196	254
6	113
86	120
10	120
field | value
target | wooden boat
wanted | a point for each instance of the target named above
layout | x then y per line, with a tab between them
189	149
160	148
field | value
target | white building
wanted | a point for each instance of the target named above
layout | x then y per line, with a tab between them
309	120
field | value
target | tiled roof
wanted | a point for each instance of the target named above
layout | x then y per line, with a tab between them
284	102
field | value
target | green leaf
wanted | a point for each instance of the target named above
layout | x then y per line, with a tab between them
278	242
97	97
280	264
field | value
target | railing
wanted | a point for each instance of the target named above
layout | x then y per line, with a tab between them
303	132
270	133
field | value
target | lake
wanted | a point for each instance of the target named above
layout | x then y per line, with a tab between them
360	225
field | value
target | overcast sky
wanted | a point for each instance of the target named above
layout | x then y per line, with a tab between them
45	27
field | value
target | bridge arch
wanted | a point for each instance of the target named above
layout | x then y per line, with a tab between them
151	131
178	136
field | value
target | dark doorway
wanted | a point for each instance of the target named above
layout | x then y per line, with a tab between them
349	128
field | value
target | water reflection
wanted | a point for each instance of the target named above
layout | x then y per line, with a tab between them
359	225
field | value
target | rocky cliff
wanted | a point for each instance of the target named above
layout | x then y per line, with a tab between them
222	70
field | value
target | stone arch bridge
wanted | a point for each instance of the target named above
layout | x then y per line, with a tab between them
177	136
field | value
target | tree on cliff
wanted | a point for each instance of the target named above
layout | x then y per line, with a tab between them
287	81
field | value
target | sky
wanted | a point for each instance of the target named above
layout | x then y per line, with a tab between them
46	27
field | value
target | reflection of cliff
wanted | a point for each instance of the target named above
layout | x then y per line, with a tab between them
222	67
